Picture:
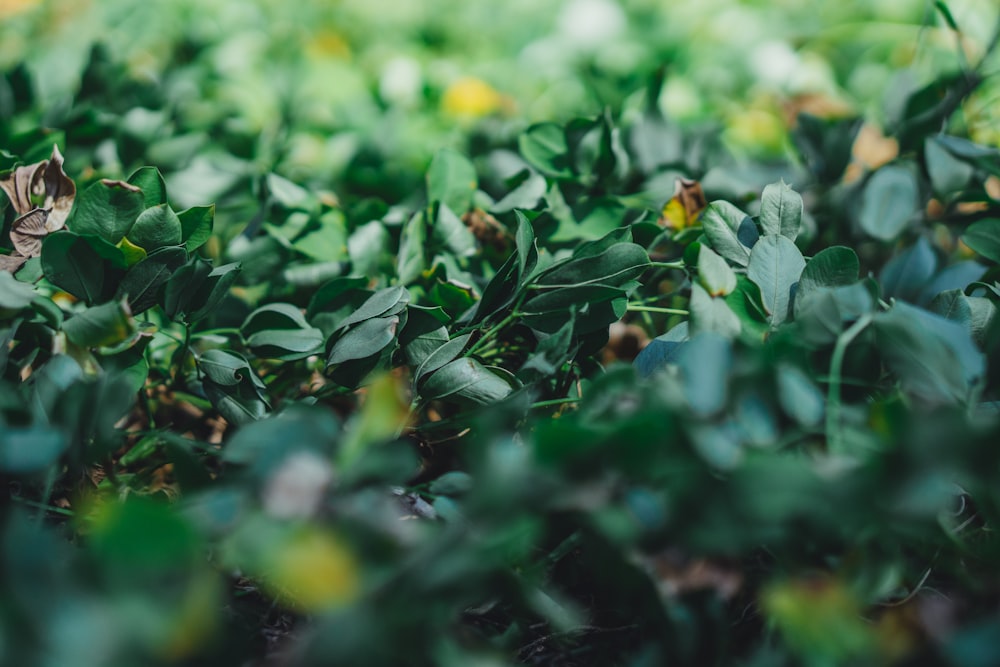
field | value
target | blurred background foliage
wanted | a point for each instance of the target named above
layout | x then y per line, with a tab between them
727	499
325	81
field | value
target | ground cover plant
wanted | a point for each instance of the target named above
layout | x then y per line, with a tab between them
610	389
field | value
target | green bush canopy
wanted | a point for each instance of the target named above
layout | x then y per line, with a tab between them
364	333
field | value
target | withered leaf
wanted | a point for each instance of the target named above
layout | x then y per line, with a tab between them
28	231
685	206
12	263
18	186
59	191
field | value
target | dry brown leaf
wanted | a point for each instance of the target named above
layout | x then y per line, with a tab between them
685	206
11	263
59	191
28	231
487	229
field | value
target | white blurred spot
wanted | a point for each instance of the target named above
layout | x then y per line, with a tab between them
401	82
591	22
296	489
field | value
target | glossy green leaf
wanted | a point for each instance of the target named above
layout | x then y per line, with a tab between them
150	181
196	225
107	209
155	228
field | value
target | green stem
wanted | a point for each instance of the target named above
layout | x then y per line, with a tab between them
493	332
656	309
679	264
833	425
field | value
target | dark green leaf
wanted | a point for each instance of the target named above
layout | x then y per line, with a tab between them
156	227
364	340
142	284
100	326
150	181
107	209
468	380
983	236
196	226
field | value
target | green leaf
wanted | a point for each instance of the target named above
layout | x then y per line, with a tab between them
722	222
906	274
31	450
14	295
226	368
710	314
72	264
142	284
705	362
617	265
280	331
107	209
799	396
382	303
100	326
468	381
286	344
451	233
781	210
888	202
212	291
445	354
156	227
596	306
329	242
948	174
411	261
934	358
288	194
983	236
451	180
196	225
364	340
714	274
831	267
150	181
775	266
544	147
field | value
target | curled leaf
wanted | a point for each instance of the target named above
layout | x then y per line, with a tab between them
28	231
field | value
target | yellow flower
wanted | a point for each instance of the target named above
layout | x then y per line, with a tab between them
469	96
